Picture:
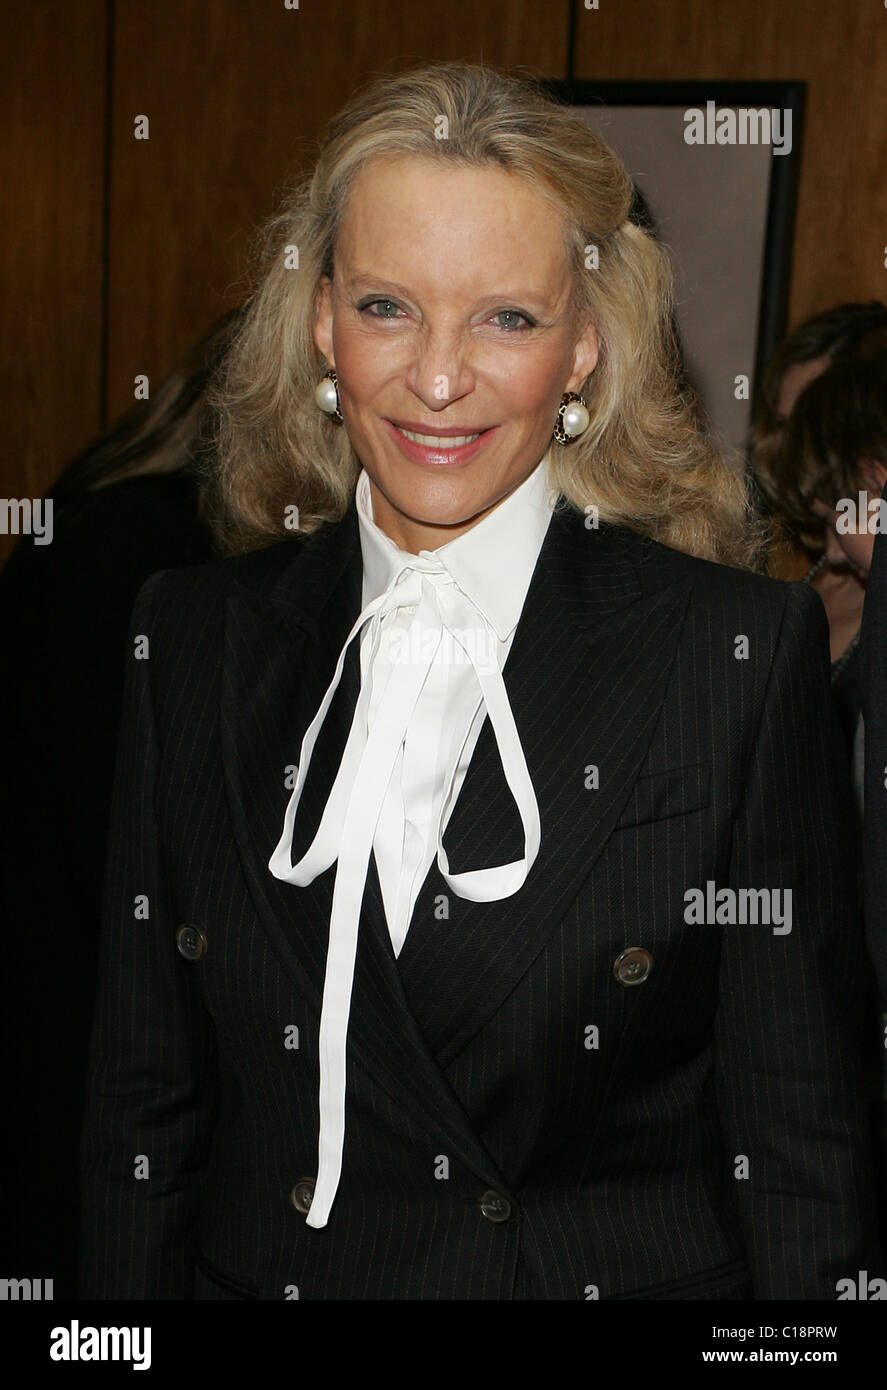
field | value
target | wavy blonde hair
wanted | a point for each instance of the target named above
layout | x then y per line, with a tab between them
645	461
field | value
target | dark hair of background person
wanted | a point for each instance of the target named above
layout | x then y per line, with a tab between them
830	334
840	418
838	421
170	433
136	501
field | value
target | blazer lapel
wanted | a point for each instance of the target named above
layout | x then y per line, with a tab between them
586	677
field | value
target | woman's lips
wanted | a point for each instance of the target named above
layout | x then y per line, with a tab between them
443	450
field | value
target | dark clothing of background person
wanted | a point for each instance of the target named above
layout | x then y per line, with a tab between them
64	613
845	693
873	684
847	697
873	691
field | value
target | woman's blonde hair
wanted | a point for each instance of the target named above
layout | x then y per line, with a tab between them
645	461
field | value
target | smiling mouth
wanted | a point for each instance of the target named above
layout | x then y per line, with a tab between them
446	441
448	446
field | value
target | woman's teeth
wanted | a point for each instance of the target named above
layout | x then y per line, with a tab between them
445	441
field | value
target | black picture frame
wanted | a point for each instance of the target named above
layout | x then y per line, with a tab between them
776	236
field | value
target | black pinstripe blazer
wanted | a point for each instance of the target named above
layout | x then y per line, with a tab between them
699	1134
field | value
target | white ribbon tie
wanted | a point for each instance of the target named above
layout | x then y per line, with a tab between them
348	825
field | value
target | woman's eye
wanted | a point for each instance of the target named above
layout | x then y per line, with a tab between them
380	308
511	319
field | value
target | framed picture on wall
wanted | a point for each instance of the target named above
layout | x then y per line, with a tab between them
715	166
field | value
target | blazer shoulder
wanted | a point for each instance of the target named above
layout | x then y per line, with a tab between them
208	585
285	582
658	564
789	612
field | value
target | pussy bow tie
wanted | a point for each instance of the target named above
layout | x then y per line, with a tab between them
349	820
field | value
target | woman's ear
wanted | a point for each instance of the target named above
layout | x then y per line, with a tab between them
585	356
323	318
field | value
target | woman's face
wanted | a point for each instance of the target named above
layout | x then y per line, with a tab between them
448	318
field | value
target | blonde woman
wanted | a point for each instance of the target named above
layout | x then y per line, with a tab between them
477	920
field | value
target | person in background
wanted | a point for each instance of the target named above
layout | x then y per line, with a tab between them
800	533
132	503
806	352
873	688
834	467
833	448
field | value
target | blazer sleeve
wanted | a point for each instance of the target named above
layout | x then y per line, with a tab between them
151	1084
790	1017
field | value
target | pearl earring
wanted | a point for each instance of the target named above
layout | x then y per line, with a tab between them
573	418
326	394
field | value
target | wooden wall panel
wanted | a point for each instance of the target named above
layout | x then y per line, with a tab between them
840	50
51	161
236	91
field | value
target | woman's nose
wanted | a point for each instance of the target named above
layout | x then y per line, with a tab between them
441	371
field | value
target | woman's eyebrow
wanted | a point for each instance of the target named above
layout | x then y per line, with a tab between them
379	282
